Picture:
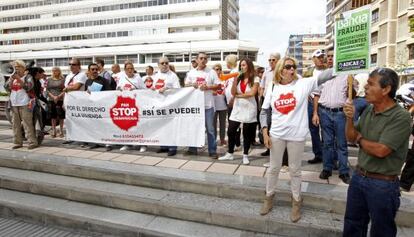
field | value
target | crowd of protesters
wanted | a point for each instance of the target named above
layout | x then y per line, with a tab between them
282	105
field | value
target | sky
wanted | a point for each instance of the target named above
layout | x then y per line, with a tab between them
268	23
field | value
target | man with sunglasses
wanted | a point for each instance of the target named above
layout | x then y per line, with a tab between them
205	79
96	82
75	80
163	80
265	81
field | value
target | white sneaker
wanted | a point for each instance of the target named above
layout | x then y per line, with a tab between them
143	149
267	165
227	156
284	169
125	148
245	160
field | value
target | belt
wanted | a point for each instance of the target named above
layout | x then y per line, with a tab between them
331	109
360	97
368	174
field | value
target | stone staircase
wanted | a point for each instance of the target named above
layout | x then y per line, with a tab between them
128	199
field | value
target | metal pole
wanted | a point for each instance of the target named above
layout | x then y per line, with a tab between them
190	57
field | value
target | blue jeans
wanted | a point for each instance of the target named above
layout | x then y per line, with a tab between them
211	137
375	200
334	140
314	132
360	104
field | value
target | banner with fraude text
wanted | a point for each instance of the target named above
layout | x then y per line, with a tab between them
353	41
140	117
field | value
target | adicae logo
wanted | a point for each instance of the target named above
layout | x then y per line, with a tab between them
285	103
125	114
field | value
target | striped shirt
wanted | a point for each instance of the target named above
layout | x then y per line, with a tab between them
333	93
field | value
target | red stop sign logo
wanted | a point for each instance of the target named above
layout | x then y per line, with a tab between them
124	113
285	103
160	84
148	82
220	90
200	81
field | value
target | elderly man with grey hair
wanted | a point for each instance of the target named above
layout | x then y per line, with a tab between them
165	79
265	81
20	85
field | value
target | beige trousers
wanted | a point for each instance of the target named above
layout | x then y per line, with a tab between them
295	152
21	114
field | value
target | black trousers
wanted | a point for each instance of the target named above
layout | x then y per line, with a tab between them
249	130
407	175
238	132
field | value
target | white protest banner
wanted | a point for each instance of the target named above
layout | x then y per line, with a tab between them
140	117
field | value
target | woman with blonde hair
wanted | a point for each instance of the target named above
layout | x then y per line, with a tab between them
221	107
231	63
286	104
55	95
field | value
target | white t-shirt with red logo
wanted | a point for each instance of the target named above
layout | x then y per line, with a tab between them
245	109
220	98
18	95
168	80
115	76
206	76
73	78
128	84
289	105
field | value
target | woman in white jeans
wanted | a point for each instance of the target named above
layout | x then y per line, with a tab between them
286	102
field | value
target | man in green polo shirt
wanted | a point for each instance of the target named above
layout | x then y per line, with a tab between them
382	134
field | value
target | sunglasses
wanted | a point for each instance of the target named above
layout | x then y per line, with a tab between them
73	64
94	69
289	66
217	69
164	63
272	60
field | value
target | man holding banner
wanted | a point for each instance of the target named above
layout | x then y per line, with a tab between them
165	79
206	80
382	132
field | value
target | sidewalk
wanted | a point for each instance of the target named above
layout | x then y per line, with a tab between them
188	190
181	161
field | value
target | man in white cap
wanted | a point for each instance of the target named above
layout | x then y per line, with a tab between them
331	99
318	58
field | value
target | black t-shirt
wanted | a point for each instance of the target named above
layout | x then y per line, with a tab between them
99	80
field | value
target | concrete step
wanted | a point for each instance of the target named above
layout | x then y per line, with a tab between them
329	198
80	216
17	227
229	213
